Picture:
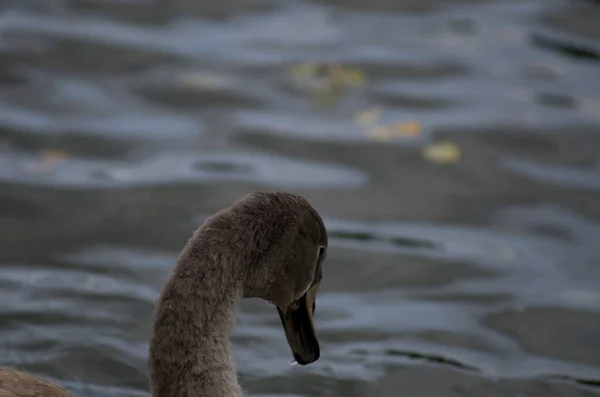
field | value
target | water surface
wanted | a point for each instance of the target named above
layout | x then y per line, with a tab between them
123	124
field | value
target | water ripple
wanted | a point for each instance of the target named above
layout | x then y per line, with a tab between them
122	122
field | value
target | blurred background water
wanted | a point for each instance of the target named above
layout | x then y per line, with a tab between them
453	148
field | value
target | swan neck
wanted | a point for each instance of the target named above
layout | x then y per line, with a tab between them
190	349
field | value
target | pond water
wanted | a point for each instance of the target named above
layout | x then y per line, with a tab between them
453	149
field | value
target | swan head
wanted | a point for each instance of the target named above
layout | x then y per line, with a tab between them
286	250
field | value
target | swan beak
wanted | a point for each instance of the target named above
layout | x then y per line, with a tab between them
297	321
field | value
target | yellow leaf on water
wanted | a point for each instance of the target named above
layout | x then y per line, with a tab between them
354	77
442	152
336	73
409	128
54	154
368	117
48	159
380	133
304	69
203	80
329	97
346	76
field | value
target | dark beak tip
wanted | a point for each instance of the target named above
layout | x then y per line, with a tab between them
307	360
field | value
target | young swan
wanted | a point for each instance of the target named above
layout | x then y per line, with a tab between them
266	245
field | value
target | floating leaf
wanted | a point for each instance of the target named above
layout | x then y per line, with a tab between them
381	133
441	152
368	117
355	77
204	80
304	69
347	76
328	98
53	155
337	74
326	80
409	128
368	120
48	160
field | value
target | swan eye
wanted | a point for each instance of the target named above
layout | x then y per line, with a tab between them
321	252
319	265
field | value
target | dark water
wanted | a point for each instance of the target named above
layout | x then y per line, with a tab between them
475	272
